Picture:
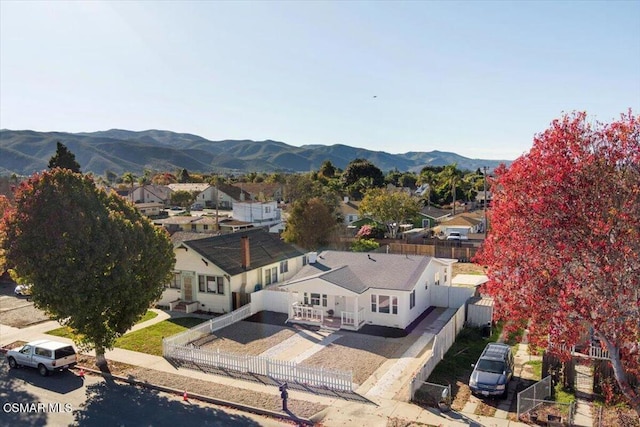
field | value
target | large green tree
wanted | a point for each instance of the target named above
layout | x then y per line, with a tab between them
310	224
359	171
389	207
96	264
64	159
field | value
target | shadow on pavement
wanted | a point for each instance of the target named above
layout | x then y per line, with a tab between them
11	416
58	382
121	404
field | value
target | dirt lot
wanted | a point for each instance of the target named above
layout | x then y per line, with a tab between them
359	353
15	311
247	338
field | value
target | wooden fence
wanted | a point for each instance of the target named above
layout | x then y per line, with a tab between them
441	250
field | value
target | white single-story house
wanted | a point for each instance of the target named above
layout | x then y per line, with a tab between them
150	209
257	213
355	288
151	193
217	274
463	224
349	211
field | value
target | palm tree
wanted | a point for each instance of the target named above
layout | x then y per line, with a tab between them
451	175
129	178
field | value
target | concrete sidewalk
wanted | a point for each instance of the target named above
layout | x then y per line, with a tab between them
339	412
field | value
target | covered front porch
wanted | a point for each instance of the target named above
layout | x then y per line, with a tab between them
318	315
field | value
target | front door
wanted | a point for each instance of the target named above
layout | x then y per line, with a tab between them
188	288
340	306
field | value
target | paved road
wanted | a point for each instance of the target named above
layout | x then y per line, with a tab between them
27	399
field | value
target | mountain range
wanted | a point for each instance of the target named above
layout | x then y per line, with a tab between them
24	152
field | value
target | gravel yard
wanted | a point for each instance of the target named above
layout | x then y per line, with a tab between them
246	338
359	353
19	313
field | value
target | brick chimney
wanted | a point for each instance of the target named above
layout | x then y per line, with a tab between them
245	253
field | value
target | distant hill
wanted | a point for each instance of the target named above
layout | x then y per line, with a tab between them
24	152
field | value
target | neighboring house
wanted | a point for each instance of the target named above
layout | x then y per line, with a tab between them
195	224
359	288
152	193
349	211
257	213
432	216
217	274
262	191
152	209
464	224
207	195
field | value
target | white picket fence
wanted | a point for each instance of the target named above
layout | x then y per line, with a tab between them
282	370
180	347
442	342
208	327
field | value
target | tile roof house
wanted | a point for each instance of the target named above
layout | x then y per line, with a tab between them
358	288
217	274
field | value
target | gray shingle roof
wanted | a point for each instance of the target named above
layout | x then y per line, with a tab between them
357	272
224	250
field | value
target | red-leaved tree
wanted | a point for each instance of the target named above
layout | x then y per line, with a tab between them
563	249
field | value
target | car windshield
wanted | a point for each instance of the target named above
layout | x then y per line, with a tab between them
493	366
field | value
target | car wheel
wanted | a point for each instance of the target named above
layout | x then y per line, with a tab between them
12	363
43	370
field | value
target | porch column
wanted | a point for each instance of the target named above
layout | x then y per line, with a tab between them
356	321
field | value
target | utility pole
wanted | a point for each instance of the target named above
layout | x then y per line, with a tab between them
217	203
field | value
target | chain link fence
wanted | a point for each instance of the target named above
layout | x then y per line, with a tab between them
535	404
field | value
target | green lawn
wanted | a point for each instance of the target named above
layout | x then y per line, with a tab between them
149	340
466	350
536	365
66	331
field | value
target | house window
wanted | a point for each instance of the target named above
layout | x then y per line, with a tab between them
267	276
304	260
394	305
193	227
324	300
445	276
306	298
211	284
175	281
383	304
205	226
437	279
284	266
267	209
315	299
412	299
374	303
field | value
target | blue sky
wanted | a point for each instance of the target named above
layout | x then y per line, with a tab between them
476	78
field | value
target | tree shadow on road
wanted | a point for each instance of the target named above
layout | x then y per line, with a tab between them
122	404
10	380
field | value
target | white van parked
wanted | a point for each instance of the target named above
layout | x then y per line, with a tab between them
45	355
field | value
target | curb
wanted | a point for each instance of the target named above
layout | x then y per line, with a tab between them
215	401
